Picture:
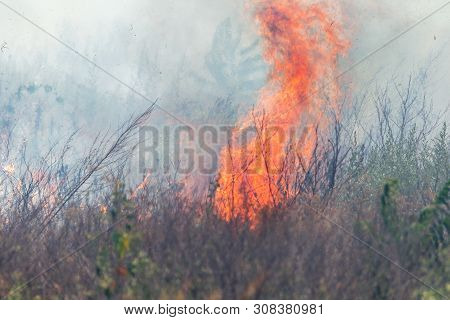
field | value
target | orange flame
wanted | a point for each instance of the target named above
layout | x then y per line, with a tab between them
302	44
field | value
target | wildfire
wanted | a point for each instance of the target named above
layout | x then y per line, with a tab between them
9	168
141	186
302	43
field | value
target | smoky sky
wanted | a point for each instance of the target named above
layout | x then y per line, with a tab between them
188	55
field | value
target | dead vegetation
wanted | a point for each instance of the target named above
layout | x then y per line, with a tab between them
368	219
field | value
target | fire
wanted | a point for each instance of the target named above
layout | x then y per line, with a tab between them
9	168
141	186
302	43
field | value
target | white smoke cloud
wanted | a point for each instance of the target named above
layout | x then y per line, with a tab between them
160	47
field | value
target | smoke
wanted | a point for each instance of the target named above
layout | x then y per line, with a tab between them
373	23
187	54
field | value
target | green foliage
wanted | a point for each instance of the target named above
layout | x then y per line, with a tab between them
440	159
437	274
433	225
122	265
419	242
430	236
389	208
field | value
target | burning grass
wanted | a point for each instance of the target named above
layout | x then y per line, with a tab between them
309	217
93	238
302	49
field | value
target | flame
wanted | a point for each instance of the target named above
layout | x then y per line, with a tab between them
141	186
302	43
9	168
